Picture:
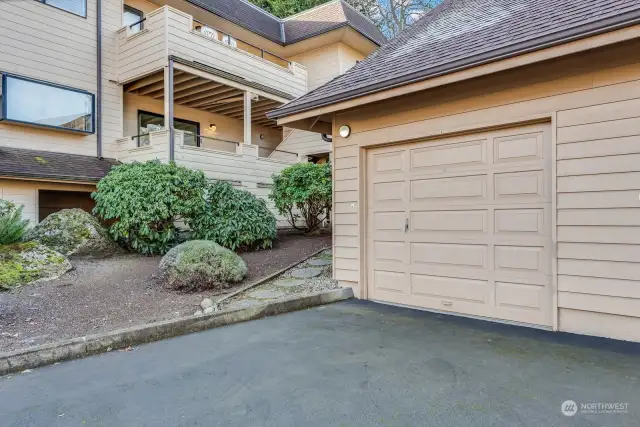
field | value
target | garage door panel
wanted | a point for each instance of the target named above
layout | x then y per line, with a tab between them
388	163
461	221
470	188
518	148
479	236
391	281
521	186
471	256
443	157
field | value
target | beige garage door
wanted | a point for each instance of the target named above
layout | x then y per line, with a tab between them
463	224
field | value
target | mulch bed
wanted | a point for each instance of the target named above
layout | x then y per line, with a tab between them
101	295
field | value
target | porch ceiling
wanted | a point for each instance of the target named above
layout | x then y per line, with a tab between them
207	95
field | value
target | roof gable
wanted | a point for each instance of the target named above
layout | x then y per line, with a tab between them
462	33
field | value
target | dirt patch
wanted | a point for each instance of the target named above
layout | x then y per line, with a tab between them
103	295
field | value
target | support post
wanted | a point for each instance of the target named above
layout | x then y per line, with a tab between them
247	117
168	108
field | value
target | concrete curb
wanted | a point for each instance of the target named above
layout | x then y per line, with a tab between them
266	279
76	348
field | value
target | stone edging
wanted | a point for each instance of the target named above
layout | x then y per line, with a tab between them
216	304
76	348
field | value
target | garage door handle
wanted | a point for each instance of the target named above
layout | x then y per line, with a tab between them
406	225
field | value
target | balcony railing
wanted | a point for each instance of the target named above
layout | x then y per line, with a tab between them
170	32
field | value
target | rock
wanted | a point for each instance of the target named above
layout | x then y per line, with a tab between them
209	310
319	262
24	263
266	294
74	232
198	313
206	303
201	264
289	283
305	273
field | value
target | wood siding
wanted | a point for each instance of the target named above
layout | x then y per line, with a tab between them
170	32
592	102
52	45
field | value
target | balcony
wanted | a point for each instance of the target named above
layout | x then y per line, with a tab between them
218	159
170	32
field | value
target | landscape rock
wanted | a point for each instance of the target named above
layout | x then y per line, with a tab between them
206	303
305	273
319	262
24	263
209	310
198	313
73	232
201	264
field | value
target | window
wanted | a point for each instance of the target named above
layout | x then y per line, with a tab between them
150	122
226	38
132	16
77	7
43	104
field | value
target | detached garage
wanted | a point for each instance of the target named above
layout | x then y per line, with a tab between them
487	164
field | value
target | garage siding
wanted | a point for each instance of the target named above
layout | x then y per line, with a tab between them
594	98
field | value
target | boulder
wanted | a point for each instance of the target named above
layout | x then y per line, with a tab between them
201	264
29	262
74	232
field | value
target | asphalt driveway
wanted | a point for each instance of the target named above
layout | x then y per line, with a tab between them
347	364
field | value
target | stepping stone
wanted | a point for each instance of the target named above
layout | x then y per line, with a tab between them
244	303
306	273
266	294
319	262
289	283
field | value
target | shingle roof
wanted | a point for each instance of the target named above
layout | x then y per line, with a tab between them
329	16
464	33
18	162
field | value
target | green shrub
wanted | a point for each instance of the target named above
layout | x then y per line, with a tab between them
201	265
12	226
303	192
235	219
147	199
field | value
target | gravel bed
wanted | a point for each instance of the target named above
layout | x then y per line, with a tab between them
320	283
102	295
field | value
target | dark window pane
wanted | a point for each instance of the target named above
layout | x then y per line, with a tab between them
131	16
79	7
41	104
149	122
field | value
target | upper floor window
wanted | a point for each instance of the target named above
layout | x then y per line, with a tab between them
226	38
42	104
77	7
132	16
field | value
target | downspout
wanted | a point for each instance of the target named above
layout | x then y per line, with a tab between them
169	95
99	83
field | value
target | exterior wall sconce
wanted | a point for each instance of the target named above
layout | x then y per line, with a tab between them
213	127
345	131
261	136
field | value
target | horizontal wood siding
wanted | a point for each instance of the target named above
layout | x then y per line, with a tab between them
49	44
595	97
323	64
303	142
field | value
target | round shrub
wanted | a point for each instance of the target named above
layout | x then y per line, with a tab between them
147	199
12	226
73	232
235	219
302	194
201	265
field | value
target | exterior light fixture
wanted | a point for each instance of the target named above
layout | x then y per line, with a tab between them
213	127
261	136
345	131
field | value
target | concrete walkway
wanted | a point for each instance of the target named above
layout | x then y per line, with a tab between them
346	364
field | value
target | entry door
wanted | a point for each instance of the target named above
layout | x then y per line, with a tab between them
463	224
